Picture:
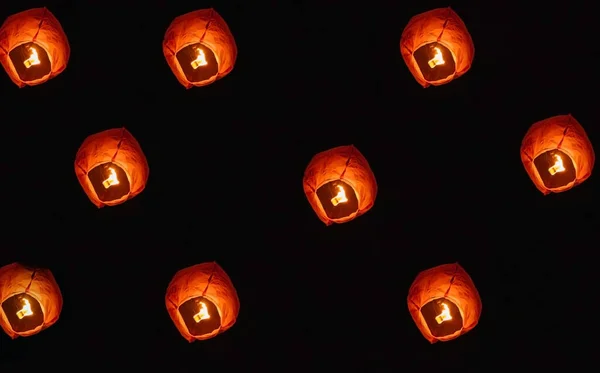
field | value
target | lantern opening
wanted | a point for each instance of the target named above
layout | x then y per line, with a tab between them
443	317
556	168
110	182
338	199
23	312
435	61
31	62
200	316
198	62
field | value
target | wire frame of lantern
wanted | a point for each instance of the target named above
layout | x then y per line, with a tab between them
557	154
30	300
33	47
437	47
111	167
444	303
340	185
202	301
199	48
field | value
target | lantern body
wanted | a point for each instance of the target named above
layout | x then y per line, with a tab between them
447	284
111	167
199	48
557	154
207	287
343	167
437	47
28	295
33	47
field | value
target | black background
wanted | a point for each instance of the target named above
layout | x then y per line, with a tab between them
310	76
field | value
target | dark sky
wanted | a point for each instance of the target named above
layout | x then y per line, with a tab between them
226	166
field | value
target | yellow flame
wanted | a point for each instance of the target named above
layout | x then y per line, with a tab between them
112	179
438	58
202	314
25	311
200	59
33	58
558	165
445	315
340	197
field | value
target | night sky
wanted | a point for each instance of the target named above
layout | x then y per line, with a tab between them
226	166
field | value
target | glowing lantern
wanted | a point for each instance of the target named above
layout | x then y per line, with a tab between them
437	47
557	154
33	47
340	185
202	301
444	303
111	167
30	298
199	48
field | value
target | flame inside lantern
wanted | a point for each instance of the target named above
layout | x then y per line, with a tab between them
340	197
438	58
202	314
200	59
558	165
444	315
112	179
25	311
33	58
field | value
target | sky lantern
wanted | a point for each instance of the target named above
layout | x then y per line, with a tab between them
340	185
33	47
199	48
444	302
202	301
437	47
111	167
31	300
557	154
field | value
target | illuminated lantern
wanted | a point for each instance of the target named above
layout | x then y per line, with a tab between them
557	154
31	300
202	301
199	48
111	167
340	185
437	47
33	47
444	302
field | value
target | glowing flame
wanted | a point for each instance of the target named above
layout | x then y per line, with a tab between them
200	59
25	311
445	315
33	58
437	59
203	314
340	197
558	165
112	179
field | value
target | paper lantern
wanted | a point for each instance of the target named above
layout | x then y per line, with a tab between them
557	154
202	301
444	302
340	185
199	48
437	47
33	47
31	300
111	167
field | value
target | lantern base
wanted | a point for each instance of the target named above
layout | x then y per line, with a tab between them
336	205
431	312
204	326
556	169
30	69
198	62
108	186
31	316
435	61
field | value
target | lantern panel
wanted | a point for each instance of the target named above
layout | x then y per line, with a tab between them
443	317
435	62
201	316
23	312
110	182
556	169
338	199
31	62
198	62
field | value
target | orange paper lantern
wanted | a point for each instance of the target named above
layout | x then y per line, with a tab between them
33	47
557	154
111	167
437	47
340	185
444	303
202	301
30	300
199	48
